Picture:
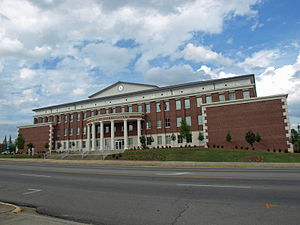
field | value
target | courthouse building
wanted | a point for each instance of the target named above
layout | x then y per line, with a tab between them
116	117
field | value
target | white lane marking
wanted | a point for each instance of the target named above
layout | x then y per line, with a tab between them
33	175
173	174
211	185
31	191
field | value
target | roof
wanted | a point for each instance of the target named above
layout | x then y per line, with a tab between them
156	88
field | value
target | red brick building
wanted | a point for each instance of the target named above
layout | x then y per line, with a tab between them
131	110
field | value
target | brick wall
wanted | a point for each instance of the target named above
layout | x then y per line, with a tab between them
265	117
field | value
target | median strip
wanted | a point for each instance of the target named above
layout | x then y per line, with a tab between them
215	186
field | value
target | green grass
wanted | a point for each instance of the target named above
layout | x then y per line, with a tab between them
204	155
22	156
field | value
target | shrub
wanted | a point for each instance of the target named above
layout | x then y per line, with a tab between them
236	147
222	146
279	150
242	147
268	150
247	148
286	151
217	146
113	155
208	146
253	148
274	150
214	146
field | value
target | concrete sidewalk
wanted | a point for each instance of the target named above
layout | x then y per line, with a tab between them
28	216
158	163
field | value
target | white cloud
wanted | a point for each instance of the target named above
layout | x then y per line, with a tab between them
259	60
204	54
26	73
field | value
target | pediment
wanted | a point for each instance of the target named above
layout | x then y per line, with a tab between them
122	88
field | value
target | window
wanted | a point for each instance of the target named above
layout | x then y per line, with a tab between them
78	116
71	117
70	144
167	106
77	144
178	121
208	99
148	124
106	111
122	109
186	103
147	108
97	143
168	139
200	120
54	118
107	129
149	140
167	122
178	104
140	108
65	145
188	120
99	112
58	119
158	107
130	109
158	124
232	96
199	101
130	127
65	133
114	110
98	129
222	98
83	144
66	118
42	120
84	130
179	139
46	119
84	115
246	94
58	133
189	139
71	131
130	141
122	128
78	130
92	113
159	140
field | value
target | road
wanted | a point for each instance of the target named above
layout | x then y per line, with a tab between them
116	195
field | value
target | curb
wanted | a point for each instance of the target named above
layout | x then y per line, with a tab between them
16	210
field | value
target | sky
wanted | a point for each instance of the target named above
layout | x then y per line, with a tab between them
59	51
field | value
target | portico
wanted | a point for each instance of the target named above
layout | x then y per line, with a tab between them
104	122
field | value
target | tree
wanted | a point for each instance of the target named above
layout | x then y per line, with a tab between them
250	137
173	137
185	130
58	145
12	148
257	137
46	145
228	137
200	136
20	141
295	137
143	141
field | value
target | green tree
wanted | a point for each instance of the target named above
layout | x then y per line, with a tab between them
200	136
12	148
20	141
46	145
58	145
257	137
185	130
228	137
173	137
294	136
143	141
250	137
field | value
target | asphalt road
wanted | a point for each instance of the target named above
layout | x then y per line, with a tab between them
115	195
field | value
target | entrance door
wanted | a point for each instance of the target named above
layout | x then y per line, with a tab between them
119	144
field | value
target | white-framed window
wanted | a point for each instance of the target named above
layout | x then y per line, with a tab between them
122	128
178	119
77	144
78	130
65	133
106	111
130	141
59	118
83	144
66	118
106	129
179	139
147	108
98	112
84	130
71	118
71	131
208	99
178	104
246	94
148	124
92	113
58	133
122	109
65	145
199	101
168	139
114	110
129	108
222	98
232	96
159	140
70	144
187	103
78	116
98	129
167	106
130	127
200	120
158	109
140	108
188	120
84	115
167	122
149	140
158	124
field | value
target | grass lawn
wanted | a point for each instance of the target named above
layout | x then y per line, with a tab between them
205	155
22	156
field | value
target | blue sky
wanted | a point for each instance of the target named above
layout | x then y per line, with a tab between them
55	51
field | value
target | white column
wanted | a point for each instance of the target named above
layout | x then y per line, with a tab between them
88	140
112	135
125	135
93	137
101	136
139	131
